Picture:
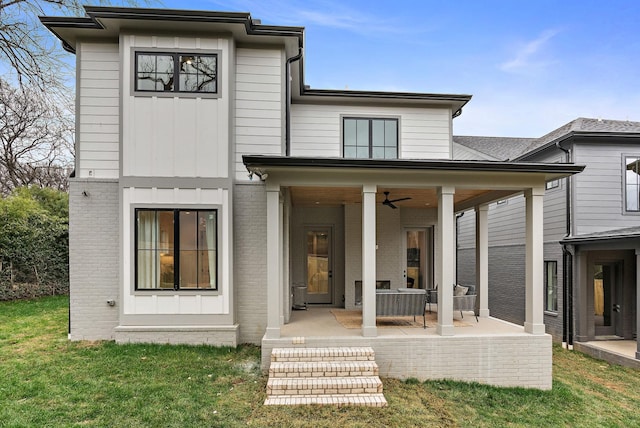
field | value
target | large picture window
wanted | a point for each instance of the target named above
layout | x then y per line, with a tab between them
632	183
370	138
176	249
176	72
551	286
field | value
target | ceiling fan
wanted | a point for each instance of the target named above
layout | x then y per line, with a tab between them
389	203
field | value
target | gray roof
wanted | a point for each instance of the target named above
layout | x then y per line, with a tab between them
500	148
505	148
625	233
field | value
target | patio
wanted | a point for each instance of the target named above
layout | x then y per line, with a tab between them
489	351
622	352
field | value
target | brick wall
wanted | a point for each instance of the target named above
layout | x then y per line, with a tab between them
94	258
250	260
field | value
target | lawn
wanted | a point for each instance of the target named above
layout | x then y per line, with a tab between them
47	381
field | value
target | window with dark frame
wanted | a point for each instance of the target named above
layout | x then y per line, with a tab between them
176	72
632	183
176	249
370	138
551	286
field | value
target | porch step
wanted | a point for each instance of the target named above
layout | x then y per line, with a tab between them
335	376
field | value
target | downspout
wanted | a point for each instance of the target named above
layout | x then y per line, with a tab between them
567	266
287	108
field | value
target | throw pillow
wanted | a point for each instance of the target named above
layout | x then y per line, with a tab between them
459	290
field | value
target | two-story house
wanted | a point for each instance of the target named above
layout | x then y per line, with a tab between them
591	236
210	180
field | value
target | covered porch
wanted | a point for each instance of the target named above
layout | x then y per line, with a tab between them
438	190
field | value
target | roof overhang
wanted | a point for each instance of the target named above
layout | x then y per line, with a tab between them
106	23
476	182
585	136
616	235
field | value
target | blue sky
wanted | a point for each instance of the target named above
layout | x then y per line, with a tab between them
531	66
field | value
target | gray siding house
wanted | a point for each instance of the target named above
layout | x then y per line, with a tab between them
591	233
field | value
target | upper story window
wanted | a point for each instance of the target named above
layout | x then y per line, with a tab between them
370	138
176	72
553	184
632	183
176	249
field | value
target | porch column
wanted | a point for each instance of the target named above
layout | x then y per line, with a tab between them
444	260
274	293
637	301
369	260
482	259
534	250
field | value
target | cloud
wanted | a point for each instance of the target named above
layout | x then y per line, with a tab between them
528	56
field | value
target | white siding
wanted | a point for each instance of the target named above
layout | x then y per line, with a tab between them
98	110
176	136
424	132
259	108
159	303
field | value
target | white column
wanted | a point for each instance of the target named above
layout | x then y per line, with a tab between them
369	261
444	260
283	290
482	259
274	293
534	271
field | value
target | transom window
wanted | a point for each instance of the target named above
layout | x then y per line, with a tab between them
176	72
370	138
176	249
632	183
553	184
551	286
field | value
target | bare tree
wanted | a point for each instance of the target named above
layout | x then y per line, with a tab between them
36	139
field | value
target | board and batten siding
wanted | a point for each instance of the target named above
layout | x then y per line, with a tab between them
598	190
176	136
152	302
425	133
259	105
98	110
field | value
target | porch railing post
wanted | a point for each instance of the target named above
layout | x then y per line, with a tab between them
369	260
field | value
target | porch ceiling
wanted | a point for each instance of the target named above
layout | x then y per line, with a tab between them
336	196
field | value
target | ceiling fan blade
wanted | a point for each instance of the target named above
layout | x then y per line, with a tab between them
400	199
392	206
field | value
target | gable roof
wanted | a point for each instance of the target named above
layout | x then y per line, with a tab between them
508	148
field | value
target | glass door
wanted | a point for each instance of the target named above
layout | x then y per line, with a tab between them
605	302
417	269
319	266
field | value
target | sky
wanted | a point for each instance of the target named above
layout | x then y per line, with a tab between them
531	66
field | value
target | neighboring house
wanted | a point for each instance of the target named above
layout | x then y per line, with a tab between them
210	180
591	233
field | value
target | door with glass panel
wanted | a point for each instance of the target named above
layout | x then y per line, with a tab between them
606	305
417	266
319	264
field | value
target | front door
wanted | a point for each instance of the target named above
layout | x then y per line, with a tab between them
319	266
606	278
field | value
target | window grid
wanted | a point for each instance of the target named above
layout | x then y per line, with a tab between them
370	138
176	249
176	72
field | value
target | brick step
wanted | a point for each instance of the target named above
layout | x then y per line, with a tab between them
371	400
323	354
324	385
302	369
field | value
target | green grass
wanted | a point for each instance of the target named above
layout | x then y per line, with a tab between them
45	380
